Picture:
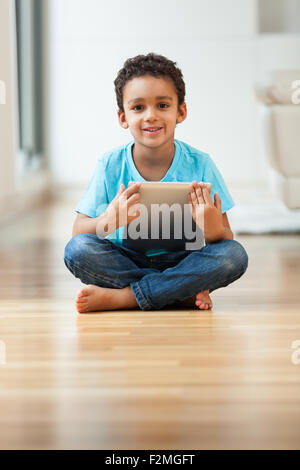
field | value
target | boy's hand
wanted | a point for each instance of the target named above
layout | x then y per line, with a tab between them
125	206
206	213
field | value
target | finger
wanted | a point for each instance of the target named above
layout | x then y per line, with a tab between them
132	189
195	204
199	194
193	186
121	189
133	198
206	195
191	205
194	198
134	210
218	202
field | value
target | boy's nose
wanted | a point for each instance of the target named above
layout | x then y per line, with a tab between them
150	114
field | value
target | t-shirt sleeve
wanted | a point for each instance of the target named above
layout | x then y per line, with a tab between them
212	175
94	200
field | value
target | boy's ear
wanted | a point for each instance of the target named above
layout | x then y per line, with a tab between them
122	119
182	113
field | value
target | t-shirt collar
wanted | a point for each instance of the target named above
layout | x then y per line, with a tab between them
138	177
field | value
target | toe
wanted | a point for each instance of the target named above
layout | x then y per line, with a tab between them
83	292
200	305
80	308
81	300
80	293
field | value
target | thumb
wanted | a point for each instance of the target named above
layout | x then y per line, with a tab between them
218	202
121	189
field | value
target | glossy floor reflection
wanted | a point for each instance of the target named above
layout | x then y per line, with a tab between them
175	379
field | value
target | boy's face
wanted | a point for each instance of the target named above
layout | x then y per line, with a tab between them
151	102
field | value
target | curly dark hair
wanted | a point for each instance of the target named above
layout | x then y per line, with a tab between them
150	64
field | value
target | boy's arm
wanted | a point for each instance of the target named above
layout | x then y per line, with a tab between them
227	233
85	224
117	212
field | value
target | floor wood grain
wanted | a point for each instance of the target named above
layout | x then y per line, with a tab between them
174	379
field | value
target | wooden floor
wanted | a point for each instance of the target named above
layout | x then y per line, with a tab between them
175	379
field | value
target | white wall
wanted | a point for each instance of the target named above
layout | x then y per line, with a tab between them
21	188
215	44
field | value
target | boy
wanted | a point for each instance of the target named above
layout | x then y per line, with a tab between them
150	94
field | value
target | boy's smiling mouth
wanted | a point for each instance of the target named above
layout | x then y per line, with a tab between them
153	130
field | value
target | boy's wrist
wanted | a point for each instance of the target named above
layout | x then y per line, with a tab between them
224	234
105	226
227	234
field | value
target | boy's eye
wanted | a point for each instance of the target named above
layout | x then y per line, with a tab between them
139	106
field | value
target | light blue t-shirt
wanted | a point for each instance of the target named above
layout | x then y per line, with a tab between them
117	166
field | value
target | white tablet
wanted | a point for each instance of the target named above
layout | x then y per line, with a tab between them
157	192
165	220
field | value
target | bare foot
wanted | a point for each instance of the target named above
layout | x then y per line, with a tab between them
201	300
94	298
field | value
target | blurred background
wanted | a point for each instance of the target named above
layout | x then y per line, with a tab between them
59	59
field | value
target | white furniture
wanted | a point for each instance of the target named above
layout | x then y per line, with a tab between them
281	133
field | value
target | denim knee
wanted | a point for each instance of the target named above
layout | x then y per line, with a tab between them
74	248
235	259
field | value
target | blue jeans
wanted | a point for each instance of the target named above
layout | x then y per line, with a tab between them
159	280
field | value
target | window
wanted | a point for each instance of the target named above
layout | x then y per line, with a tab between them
30	80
